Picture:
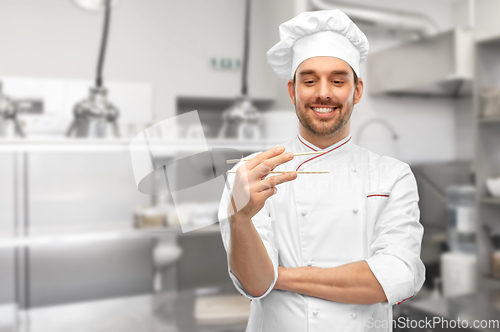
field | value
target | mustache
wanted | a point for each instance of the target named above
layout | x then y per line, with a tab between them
324	104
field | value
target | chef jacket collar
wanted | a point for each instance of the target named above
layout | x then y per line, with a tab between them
335	150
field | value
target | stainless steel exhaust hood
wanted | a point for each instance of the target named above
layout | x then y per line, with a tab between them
382	19
439	65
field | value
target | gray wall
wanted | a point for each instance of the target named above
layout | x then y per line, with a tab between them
166	43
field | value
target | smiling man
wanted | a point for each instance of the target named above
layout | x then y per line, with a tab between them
330	116
327	251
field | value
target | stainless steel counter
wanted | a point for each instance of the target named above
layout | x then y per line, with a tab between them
173	311
482	307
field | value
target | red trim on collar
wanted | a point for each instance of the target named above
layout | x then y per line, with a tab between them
322	153
306	144
377	195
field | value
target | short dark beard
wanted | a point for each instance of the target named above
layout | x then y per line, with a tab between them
337	127
325	131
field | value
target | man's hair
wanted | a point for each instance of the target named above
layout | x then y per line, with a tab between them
355	79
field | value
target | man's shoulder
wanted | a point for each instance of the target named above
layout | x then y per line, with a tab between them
381	164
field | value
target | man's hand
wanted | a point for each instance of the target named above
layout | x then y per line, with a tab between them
251	187
248	259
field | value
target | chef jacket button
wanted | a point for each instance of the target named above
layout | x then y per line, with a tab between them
353	315
355	210
315	312
304	212
353	169
309	264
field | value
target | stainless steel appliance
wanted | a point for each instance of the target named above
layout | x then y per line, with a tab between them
95	117
241	120
9	125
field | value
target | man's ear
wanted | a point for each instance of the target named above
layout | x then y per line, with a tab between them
291	91
359	91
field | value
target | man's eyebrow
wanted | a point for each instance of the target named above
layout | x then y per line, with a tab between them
340	72
307	72
335	72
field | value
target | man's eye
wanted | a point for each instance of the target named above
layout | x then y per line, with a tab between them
337	82
309	82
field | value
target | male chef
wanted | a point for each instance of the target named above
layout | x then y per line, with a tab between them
324	251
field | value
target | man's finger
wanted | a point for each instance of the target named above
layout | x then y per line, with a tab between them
276	180
251	164
267	166
266	193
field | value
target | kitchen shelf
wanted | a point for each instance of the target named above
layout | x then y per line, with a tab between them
490	200
97	145
91	235
488	40
487	151
488	120
199	102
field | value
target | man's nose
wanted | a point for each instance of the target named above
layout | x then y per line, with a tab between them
324	90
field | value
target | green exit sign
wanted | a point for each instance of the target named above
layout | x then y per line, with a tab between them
225	63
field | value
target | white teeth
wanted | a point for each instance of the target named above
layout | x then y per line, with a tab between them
322	109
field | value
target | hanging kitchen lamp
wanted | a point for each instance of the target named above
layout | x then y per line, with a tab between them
94	5
242	120
95	116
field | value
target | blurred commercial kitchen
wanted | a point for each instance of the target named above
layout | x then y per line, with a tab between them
81	249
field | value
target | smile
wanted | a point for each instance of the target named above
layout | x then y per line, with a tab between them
323	111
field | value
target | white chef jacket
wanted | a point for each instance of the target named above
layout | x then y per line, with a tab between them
364	209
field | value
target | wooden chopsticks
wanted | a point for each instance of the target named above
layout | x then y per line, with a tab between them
300	172
234	161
